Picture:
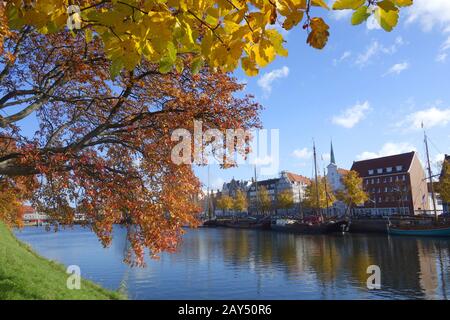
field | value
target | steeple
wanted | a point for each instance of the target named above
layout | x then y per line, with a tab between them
332	159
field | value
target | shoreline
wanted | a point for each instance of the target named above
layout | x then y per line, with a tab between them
25	275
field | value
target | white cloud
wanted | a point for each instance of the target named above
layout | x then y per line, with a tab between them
266	81
341	14
439	158
430	117
263	161
304	153
430	14
397	68
372	23
353	115
441	57
344	56
388	149
375	48
217	183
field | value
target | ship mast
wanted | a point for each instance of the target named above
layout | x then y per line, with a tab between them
430	175
207	198
256	193
317	180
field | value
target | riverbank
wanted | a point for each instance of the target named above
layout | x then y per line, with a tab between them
26	275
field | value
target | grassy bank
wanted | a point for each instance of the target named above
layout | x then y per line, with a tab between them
26	275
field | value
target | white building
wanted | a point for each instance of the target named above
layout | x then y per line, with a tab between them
334	177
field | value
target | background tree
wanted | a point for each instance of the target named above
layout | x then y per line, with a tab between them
225	203
352	192
219	33
240	203
285	199
326	195
103	148
444	182
265	202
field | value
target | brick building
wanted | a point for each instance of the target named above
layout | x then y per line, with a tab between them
395	184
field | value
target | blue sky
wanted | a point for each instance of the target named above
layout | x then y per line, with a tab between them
368	90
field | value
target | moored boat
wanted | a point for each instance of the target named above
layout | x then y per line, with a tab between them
302	227
434	230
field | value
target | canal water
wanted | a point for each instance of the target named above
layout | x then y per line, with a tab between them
252	264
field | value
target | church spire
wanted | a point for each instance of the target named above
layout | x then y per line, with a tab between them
332	159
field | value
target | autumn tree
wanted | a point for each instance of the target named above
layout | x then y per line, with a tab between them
104	148
352	192
285	199
240	202
319	196
108	92
264	200
225	203
220	33
444	182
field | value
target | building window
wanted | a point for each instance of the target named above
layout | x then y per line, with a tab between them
373	181
404	178
389	169
380	170
370	172
378	180
399	168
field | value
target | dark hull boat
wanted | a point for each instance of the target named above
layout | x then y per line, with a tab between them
299	227
248	225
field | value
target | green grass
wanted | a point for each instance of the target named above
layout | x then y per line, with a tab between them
26	275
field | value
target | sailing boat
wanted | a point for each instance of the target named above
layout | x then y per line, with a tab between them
316	225
436	228
211	221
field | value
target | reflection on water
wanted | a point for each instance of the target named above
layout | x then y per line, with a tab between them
250	264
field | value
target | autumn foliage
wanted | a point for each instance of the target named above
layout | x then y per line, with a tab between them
224	34
103	148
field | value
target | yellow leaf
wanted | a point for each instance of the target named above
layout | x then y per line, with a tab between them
319	34
348	4
320	3
360	15
404	3
249	67
387	15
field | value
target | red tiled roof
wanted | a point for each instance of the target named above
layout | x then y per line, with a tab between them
342	171
298	178
404	160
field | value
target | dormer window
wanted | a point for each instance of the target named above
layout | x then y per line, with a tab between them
399	168
389	169
370	172
379	171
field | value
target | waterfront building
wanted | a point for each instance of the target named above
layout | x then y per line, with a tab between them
288	181
395	184
31	217
232	187
334	177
